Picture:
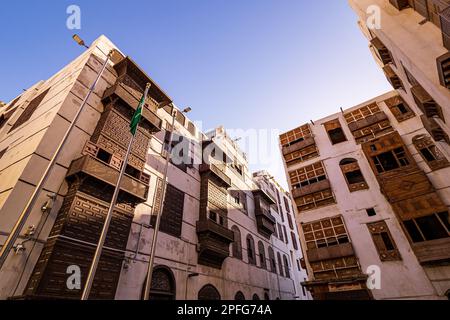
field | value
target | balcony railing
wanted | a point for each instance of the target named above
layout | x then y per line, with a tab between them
432	251
327	253
101	171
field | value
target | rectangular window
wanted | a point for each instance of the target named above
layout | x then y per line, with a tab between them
371	212
429	152
307	175
399	108
353	175
286	239
435	226
325	233
29	110
391	160
383	241
294	241
335	132
280	232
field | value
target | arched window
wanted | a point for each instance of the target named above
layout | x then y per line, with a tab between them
255	297
266	296
273	263
208	292
353	175
237	244
163	284
286	266
262	255
280	264
239	296
251	250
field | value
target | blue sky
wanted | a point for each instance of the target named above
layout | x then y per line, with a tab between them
242	64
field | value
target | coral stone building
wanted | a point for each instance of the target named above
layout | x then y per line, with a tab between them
371	184
218	235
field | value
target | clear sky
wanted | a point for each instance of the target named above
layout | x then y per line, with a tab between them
251	64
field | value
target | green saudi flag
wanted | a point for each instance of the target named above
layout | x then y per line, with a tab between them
138	114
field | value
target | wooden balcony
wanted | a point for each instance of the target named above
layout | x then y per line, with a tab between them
434	129
313	188
368	121
90	166
433	251
298	145
265	224
327	253
425	102
214	243
383	52
264	195
148	112
444	17
217	172
392	77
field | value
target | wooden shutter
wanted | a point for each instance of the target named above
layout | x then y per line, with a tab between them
443	65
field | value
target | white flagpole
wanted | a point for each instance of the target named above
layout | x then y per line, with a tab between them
15	232
101	242
148	281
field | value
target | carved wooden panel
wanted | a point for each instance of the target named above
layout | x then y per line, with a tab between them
336	268
301	155
90	149
49	278
420	206
217	197
367	123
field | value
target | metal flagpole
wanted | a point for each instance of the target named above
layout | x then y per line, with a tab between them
148	281
15	232
101	242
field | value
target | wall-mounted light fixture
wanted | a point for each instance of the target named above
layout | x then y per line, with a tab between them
48	205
